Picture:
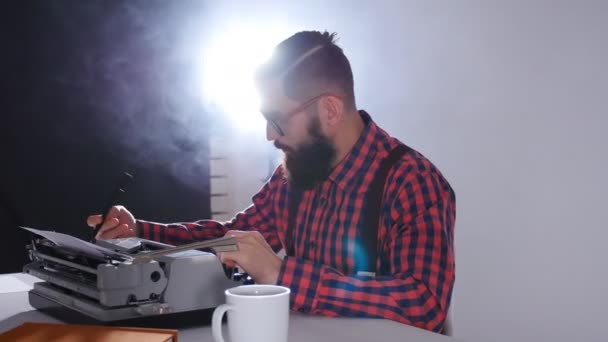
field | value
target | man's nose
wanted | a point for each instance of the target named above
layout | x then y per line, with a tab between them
271	132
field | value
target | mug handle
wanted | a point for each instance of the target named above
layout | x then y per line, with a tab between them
216	321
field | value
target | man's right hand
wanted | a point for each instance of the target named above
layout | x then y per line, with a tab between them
119	223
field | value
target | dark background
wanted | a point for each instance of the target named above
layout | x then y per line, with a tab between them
91	89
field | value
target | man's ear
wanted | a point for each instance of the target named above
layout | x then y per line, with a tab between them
333	109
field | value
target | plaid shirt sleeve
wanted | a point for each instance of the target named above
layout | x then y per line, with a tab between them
419	249
258	217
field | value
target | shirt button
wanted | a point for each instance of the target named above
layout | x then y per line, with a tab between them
322	200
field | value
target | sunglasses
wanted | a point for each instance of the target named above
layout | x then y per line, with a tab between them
271	118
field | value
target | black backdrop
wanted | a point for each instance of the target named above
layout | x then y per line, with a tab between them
91	89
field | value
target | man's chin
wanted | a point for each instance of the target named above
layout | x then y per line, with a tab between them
288	152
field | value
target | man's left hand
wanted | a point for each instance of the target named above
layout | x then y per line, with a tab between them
254	256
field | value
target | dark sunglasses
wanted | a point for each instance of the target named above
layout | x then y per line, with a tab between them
299	109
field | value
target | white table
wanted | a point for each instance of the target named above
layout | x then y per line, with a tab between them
15	310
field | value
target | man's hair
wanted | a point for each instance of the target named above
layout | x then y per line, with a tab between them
310	63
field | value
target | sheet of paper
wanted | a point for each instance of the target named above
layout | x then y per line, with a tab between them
11	283
73	243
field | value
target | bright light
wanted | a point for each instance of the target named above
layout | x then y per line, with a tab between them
229	65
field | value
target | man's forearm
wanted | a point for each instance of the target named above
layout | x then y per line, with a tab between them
180	233
322	290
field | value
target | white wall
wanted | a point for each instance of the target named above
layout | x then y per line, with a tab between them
511	106
508	98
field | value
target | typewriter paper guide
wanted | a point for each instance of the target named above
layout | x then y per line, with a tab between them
75	244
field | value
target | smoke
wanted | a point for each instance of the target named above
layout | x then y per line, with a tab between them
133	68
133	72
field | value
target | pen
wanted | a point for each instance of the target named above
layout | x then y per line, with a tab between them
118	190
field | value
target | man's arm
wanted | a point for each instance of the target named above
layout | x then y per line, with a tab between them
420	252
258	217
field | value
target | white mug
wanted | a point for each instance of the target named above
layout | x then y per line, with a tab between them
256	313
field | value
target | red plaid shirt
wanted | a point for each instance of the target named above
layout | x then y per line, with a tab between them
416	259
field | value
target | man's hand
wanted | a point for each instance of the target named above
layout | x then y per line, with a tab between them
254	256
119	223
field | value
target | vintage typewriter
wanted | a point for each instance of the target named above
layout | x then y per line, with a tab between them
126	279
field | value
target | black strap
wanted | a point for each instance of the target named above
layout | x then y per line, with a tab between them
365	263
295	198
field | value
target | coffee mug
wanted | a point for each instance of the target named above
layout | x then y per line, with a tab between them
256	313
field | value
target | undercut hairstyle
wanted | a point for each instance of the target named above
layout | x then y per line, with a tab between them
310	63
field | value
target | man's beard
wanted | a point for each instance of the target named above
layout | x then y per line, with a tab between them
310	164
